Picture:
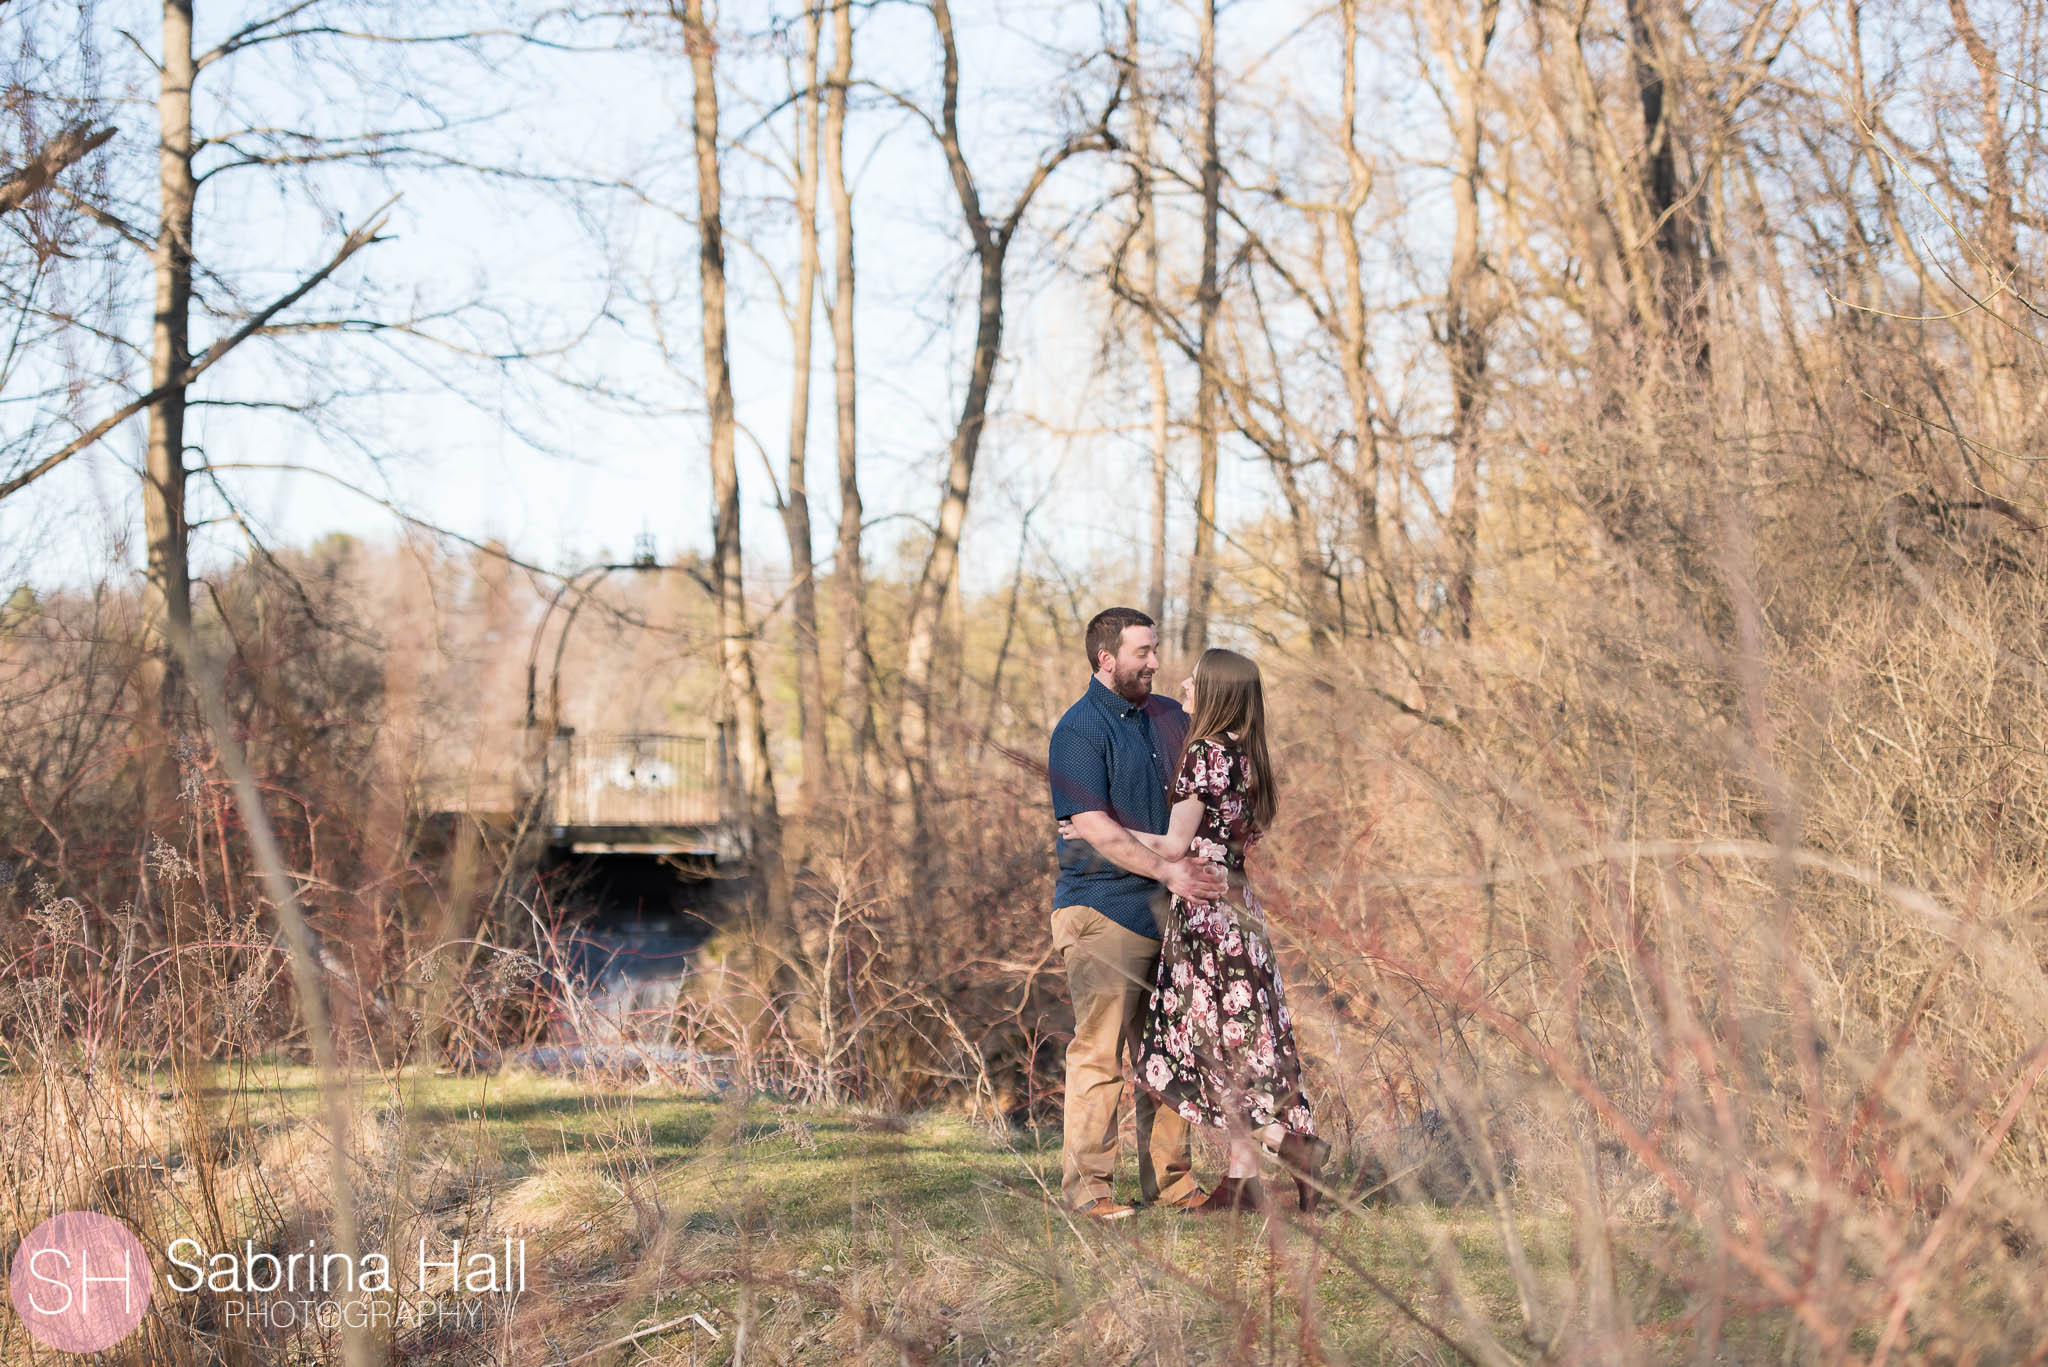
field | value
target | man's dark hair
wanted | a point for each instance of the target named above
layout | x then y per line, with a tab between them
1106	632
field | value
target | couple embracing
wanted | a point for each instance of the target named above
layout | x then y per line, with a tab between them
1167	956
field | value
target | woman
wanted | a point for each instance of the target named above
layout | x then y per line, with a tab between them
1219	1042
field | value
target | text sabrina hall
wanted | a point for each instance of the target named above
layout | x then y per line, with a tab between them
496	1271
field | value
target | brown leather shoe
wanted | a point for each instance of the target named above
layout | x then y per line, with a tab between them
1233	1194
1187	1200
1303	1156
1104	1208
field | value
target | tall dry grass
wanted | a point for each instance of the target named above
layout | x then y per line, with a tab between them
1678	929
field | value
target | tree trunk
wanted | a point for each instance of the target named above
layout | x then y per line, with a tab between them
1195	635
1147	242
1609	301
1998	332
929	601
796	508
1462	47
991	239
855	686
1380	595
927	604
167	584
741	687
1672	261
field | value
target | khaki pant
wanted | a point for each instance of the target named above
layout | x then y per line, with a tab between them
1109	977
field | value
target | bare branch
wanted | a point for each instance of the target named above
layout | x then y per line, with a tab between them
49	162
353	243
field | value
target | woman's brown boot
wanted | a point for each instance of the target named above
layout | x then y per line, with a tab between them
1304	1155
1232	1194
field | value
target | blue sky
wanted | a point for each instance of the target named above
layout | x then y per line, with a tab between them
601	472
527	454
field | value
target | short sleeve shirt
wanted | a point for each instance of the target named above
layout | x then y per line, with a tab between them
1111	755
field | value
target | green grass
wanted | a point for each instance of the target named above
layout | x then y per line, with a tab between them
836	1235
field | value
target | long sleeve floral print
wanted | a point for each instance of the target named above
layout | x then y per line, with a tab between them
1219	1043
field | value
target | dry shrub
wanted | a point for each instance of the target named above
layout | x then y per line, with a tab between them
1694	904
1681	922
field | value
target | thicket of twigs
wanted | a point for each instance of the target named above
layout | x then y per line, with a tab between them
1692	900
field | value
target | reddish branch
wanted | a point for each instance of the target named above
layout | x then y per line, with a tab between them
54	157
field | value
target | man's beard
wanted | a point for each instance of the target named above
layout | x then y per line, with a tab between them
1135	686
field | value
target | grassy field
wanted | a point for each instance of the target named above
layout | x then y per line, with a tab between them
800	1234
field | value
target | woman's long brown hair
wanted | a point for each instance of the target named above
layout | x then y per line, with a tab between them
1229	698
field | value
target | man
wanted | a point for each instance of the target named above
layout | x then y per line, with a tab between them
1111	759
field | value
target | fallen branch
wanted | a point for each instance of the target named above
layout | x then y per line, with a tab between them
639	1334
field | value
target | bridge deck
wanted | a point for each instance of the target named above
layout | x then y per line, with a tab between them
712	840
639	793
620	793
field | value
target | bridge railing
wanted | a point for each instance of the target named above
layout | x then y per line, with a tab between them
634	779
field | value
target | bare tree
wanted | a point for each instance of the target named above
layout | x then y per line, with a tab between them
1461	41
1354	347
1596	219
57	292
1668	206
796	506
1145	238
1632	215
991	236
851	599
167	227
741	688
1202	568
1999	339
1254	389
167	612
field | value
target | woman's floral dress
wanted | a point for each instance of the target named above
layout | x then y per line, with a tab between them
1219	1043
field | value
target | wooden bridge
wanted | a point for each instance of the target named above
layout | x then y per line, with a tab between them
613	793
640	793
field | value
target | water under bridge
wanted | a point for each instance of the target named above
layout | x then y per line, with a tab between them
635	839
